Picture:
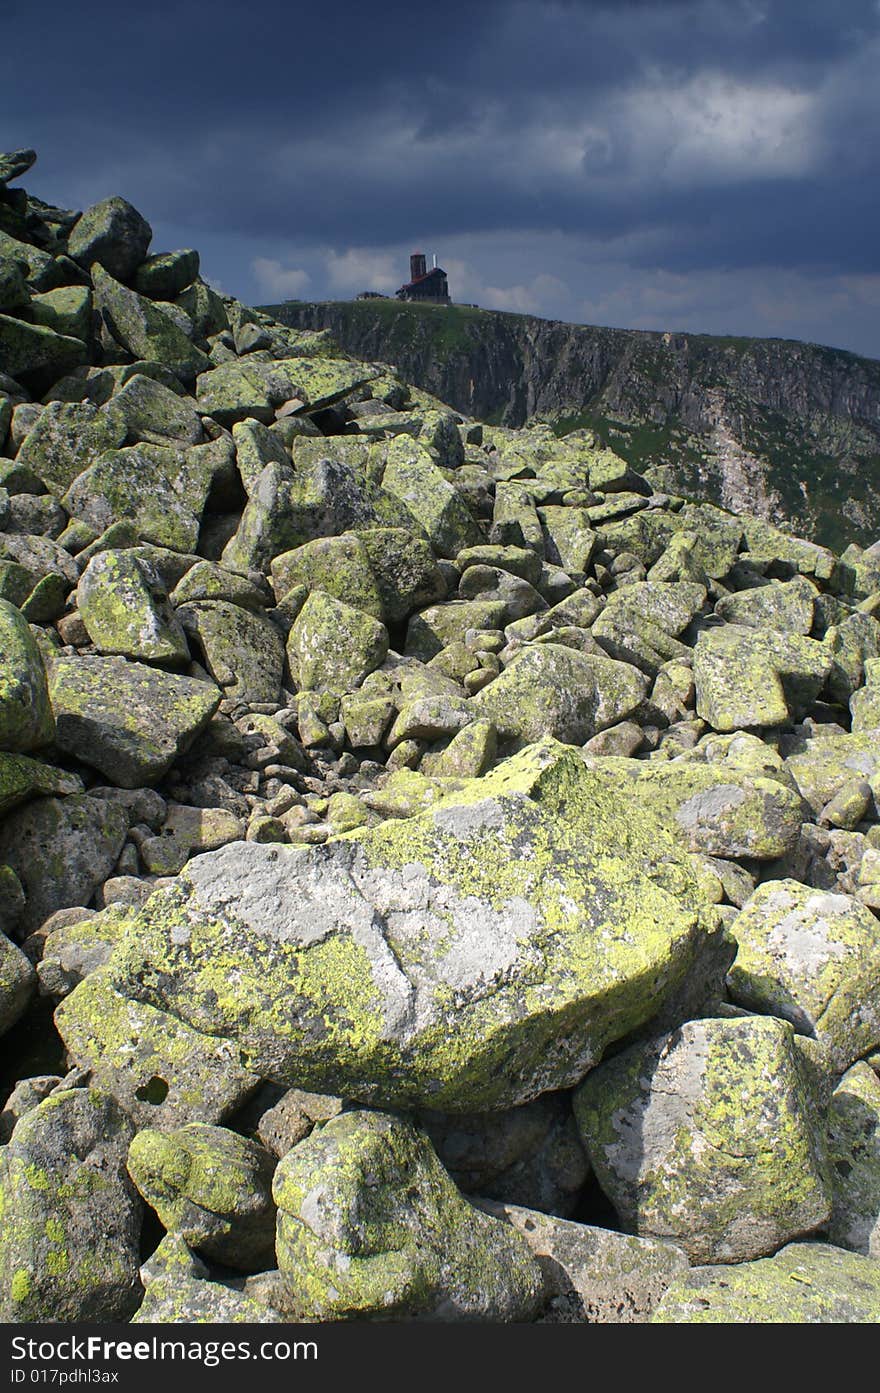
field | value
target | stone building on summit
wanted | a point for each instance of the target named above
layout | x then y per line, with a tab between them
425	286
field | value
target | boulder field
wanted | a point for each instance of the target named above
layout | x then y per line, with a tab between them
439	874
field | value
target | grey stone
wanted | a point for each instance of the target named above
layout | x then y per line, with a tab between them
61	850
681	1156
370	1224
69	1243
369	935
125	719
113	234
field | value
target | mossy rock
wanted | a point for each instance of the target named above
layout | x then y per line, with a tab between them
75	950
824	763
854	1148
640	623
165	275
468	754
864	704
594	1275
237	390
571	540
147	410
438	626
26	720
786	605
854	643
128	720
320	381
383	571
205	308
213	1188
717	809
71	1218
682	1158
175	1298
255	447
768	544
67	438
289	506
131	485
14	290
370	1224
804	1284
532	908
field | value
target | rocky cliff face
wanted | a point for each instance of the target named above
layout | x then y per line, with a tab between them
788	430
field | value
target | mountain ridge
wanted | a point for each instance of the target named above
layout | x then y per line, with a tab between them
781	428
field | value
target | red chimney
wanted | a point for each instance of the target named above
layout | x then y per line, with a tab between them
417	266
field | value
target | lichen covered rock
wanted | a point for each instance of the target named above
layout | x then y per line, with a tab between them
71	1218
61	849
26	720
854	1149
369	1224
593	1274
332	647
804	1284
125	610
17	980
752	678
532	909
812	958
162	1072
212	1187
552	690
710	1137
126	719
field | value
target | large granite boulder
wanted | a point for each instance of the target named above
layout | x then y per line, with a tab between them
854	1149
549	689
61	849
125	609
749	678
17	980
468	959
112	234
812	958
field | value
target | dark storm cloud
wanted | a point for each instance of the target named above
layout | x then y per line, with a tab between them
729	141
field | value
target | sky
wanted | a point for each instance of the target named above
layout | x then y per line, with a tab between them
702	165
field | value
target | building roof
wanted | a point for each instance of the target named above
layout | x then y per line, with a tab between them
420	280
